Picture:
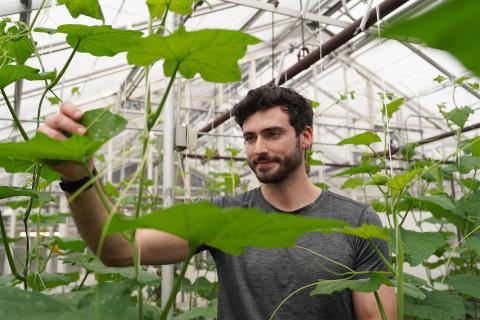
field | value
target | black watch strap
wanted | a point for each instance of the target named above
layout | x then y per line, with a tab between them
72	186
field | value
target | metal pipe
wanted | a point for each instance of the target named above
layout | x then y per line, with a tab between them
326	48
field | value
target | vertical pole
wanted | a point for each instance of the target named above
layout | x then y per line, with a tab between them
168	175
63	230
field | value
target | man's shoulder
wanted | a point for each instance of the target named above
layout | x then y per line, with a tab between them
350	210
242	200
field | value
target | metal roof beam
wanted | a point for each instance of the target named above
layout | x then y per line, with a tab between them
289	12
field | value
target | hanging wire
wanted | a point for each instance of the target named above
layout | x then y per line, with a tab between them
303	51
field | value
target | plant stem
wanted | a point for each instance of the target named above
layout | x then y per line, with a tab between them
14	116
42	4
8	252
380	255
177	285
399	266
153	119
55	81
380	305
83	280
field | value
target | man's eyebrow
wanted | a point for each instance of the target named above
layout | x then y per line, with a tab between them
265	130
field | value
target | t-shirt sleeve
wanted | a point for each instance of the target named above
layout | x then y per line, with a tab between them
366	259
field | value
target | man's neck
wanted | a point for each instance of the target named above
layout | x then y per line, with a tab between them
293	193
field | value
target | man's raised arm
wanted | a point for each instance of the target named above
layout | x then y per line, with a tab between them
90	214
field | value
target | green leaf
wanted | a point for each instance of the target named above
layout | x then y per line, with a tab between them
13	165
467	164
69	244
90	8
419	246
102	125
473	243
314	104
312	162
392	107
40	306
408	150
48	220
157	7
212	53
45	280
459	116
437	305
475	147
19	47
399	182
352	183
7	279
11	73
439	78
365	168
366	138
410	289
365	231
465	284
430	28
41	147
100	40
10	192
359	285
230	230
378	179
53	100
322	185
207	312
460	80
441	206
93	264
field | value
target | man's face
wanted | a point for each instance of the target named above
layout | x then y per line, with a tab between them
274	151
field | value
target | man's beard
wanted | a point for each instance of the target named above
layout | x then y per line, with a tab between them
285	166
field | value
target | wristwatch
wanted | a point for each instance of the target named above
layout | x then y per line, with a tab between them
72	186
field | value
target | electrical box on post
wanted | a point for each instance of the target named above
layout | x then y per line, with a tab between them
185	138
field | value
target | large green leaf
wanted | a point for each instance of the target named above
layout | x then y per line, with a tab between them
100	40
41	147
103	125
366	138
68	244
466	284
90	8
459	116
10	192
10	73
437	305
352	183
45	280
364	168
366	231
13	165
473	243
399	182
19	47
392	107
230	230
450	26
419	246
214	53
157	7
92	264
360	285
441	206
207	312
40	306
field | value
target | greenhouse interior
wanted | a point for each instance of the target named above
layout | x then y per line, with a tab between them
169	220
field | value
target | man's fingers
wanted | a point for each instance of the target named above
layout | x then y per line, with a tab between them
52	133
61	122
71	110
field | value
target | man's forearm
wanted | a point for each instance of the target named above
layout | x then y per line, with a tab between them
90	215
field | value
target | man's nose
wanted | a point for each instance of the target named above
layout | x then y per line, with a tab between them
260	146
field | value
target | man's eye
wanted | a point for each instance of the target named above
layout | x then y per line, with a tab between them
249	139
274	135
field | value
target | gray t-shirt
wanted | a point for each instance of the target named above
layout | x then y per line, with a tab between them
253	284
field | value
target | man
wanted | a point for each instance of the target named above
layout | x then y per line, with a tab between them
277	129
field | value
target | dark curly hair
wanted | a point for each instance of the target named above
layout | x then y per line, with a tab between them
298	108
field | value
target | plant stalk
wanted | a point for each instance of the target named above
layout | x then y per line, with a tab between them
177	285
14	116
380	305
8	251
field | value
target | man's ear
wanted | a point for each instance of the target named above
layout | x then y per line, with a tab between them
307	138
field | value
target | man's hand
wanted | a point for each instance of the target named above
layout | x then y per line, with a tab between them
56	127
